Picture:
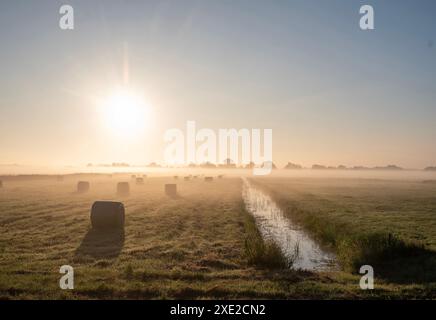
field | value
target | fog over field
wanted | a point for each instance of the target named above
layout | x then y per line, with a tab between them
413	174
205	242
244	149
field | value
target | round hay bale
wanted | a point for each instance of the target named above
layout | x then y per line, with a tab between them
187	178
139	181
208	179
220	176
176	177
144	176
123	188
171	189
1	184
83	186
60	178
133	176
107	215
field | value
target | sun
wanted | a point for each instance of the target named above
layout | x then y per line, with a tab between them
125	114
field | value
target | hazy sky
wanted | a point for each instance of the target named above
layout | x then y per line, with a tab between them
332	93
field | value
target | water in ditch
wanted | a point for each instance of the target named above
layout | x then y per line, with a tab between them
294	242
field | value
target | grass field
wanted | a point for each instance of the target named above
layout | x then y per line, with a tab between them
202	244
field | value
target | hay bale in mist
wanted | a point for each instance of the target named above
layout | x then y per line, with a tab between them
208	179
60	178
83	186
176	177
139	181
187	178
107	215
133	176
123	188
171	189
220	176
144	176
1	184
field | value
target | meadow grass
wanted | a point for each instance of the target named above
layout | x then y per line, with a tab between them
201	244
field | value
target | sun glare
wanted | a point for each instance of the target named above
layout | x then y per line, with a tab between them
125	114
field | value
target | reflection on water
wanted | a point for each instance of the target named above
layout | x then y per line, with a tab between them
275	226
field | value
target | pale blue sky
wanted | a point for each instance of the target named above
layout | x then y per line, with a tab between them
332	93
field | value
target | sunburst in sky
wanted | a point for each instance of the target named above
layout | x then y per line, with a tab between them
107	90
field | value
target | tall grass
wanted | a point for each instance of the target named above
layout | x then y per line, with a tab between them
375	249
262	253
